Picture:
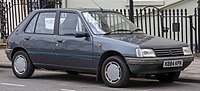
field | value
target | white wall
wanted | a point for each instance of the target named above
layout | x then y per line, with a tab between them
64	2
112	4
107	4
189	4
167	2
124	4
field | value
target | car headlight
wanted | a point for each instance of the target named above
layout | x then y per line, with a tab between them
187	51
145	53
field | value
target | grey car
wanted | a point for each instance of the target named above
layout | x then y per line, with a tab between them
93	41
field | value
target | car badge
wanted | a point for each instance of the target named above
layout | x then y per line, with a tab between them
170	52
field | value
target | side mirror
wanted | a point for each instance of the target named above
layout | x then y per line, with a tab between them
81	34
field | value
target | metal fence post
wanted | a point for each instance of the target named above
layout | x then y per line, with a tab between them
1	14
131	17
198	25
2	19
191	33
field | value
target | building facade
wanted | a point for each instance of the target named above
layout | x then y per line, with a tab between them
138	4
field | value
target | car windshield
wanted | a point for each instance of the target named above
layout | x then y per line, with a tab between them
102	22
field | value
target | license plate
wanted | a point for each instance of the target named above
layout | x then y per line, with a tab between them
172	63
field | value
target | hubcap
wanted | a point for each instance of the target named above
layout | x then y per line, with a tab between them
20	64
113	72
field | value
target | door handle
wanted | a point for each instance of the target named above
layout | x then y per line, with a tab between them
59	41
27	38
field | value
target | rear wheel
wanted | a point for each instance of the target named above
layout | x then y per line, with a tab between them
168	77
114	72
21	65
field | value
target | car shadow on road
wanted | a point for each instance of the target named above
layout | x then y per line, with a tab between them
189	80
91	80
150	83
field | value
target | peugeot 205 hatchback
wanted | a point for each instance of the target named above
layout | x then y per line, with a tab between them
100	42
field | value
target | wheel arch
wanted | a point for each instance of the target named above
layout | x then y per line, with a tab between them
16	50
104	56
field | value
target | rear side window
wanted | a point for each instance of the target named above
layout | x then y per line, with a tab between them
45	23
31	26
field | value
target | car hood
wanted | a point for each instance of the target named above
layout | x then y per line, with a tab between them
147	41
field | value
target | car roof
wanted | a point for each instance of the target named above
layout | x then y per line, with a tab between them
73	9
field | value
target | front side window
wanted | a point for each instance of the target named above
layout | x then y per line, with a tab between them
45	23
31	26
102	22
70	23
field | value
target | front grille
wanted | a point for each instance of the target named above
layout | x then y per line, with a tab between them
169	52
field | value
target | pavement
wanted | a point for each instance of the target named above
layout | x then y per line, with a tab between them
4	62
191	73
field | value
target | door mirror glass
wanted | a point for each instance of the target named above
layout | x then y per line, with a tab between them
81	34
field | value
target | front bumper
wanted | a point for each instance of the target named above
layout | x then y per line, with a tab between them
8	53
155	65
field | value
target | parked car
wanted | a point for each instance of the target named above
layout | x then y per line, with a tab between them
100	42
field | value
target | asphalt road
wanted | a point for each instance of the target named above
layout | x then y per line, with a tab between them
60	81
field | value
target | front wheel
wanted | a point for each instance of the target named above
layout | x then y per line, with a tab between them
115	72
168	77
21	65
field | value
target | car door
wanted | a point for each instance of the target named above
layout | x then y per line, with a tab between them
72	51
41	43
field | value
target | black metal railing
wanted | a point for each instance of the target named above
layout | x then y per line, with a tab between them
15	11
174	24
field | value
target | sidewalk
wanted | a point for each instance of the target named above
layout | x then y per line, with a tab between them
190	73
4	62
193	71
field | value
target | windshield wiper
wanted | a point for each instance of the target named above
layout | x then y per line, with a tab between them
119	30
136	30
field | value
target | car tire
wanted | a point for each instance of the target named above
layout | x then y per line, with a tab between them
22	66
72	73
168	77
115	65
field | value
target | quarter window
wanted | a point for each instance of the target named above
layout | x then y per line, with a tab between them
70	23
45	23
31	26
